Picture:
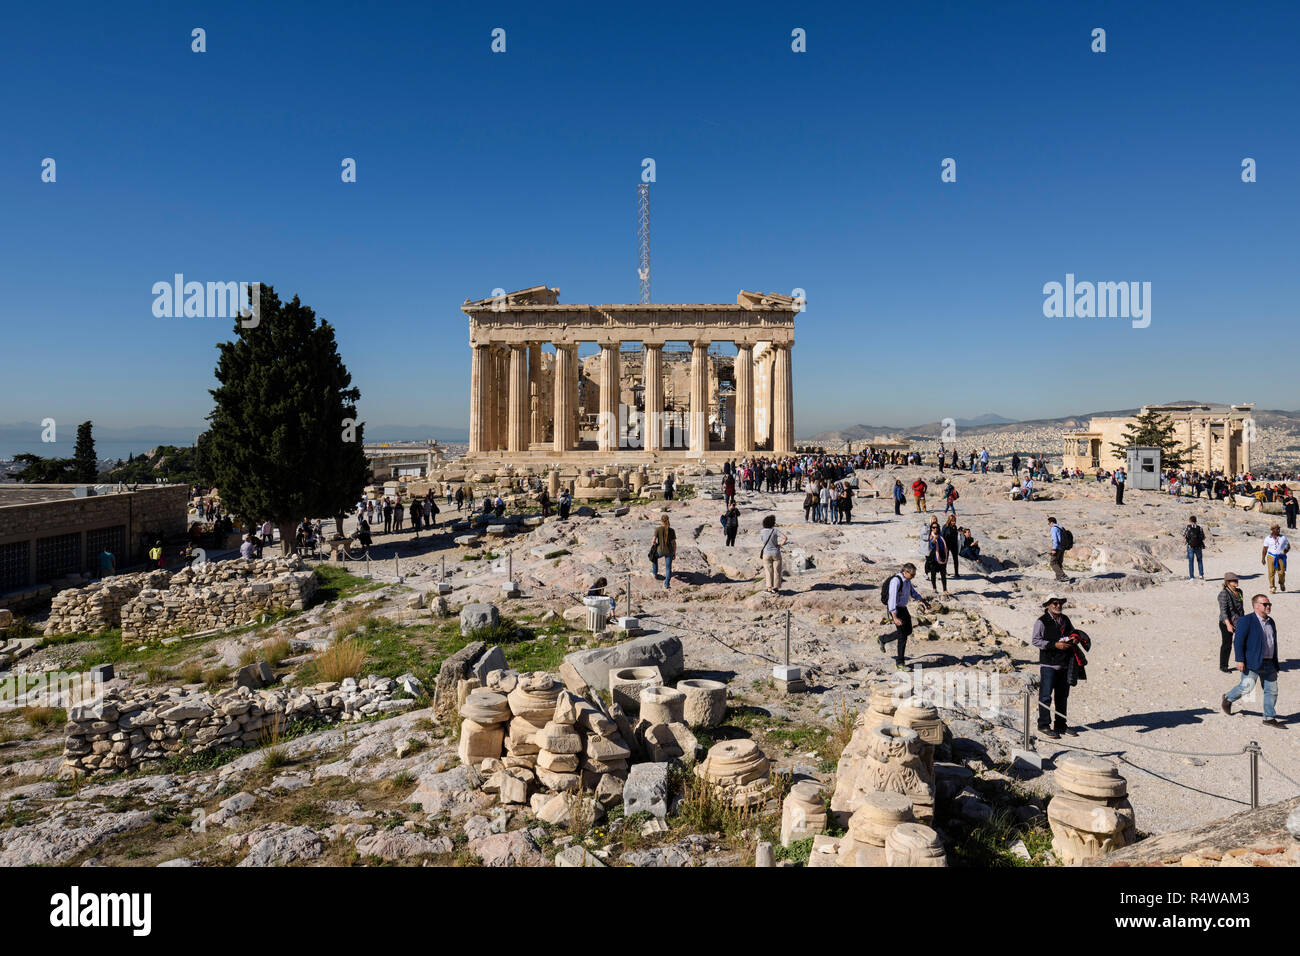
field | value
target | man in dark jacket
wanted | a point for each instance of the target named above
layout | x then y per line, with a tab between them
1054	653
1255	644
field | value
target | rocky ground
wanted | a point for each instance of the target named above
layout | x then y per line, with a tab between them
390	789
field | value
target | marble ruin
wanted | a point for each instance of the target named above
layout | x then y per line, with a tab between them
528	404
1219	436
148	605
740	772
913	844
1092	816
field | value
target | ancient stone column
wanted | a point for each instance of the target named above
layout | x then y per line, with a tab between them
537	414
503	398
914	844
573	396
699	426
744	399
496	433
1092	816
609	378
654	397
519	428
478	406
782	403
563	395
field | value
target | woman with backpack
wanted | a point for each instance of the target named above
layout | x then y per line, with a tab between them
808	503
771	541
846	504
936	561
900	495
731	524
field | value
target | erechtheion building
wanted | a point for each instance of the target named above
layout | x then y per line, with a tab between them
1219	437
662	387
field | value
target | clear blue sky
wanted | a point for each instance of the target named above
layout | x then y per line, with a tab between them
775	170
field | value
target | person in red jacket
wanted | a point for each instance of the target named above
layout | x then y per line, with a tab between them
918	492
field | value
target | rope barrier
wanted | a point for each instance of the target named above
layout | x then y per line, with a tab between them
1275	769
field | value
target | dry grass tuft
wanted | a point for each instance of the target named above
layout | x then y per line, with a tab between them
41	718
842	723
343	659
276	650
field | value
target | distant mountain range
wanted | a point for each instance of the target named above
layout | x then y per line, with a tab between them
991	423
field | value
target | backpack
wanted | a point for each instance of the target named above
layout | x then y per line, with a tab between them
1196	536
884	589
1067	539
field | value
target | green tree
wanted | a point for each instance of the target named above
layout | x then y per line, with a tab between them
85	463
44	471
284	442
1150	429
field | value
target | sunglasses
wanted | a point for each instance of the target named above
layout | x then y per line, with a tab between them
1265	604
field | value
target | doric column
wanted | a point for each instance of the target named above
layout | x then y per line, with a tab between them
519	427
782	403
494	399
744	399
563	393
654	397
478	406
609	382
536	414
576	365
699	397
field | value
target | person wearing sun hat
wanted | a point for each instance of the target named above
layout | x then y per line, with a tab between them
1231	608
1051	631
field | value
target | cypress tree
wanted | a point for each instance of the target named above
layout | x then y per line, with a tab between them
284	443
1150	429
86	465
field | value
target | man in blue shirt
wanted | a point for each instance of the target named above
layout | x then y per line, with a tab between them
1058	552
1119	486
900	592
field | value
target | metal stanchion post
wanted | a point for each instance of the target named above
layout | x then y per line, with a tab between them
787	637
1253	750
1028	698
629	594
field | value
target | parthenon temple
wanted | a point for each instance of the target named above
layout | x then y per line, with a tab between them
663	385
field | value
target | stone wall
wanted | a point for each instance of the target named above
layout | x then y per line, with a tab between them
136	731
32	513
159	511
221	594
98	606
150	604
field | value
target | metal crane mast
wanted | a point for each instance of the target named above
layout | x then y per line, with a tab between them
643	239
